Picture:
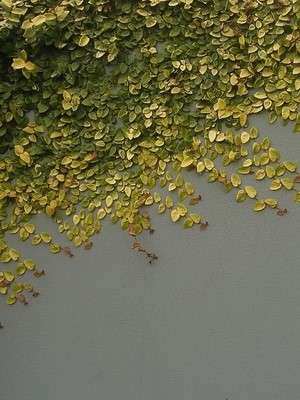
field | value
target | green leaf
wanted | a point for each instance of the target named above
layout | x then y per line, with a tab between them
11	300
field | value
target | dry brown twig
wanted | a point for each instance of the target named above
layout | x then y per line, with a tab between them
67	251
282	211
38	273
22	299
88	245
195	199
204	225
150	256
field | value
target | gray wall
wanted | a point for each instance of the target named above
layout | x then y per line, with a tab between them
216	318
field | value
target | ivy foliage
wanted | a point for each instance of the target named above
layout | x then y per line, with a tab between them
101	101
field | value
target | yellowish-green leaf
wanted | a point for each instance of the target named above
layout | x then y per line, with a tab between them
108	201
200	166
189	188
29	264
209	164
6	3
290	166
250	191
14	254
19	149
169	202
260	174
297	197
46	238
18	63
288	183
274	154
187	161
175	90
245	137
83	40
25	157
285	112
196	218
76	219
259	205
21	269
276	184
241	196
270	171
11	300
9	276
175	215
3	290
188	223
172	186
271	202
30	228
161	208
212	134
101	213
235	180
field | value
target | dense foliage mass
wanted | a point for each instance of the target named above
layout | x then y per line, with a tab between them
104	102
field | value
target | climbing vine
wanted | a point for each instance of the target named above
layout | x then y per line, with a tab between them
104	103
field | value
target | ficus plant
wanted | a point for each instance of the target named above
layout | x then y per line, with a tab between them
105	103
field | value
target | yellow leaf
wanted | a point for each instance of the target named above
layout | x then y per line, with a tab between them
235	180
19	149
83	41
271	202
290	166
175	215
11	300
200	166
25	157
76	219
7	3
209	164
251	191
288	183
175	90
259	205
187	160
240	196
18	63
109	201
245	137
274	154
275	185
9	276
212	134
30	66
